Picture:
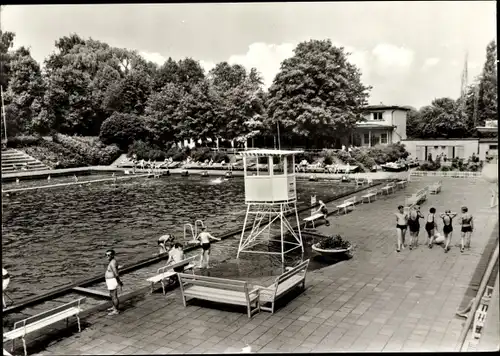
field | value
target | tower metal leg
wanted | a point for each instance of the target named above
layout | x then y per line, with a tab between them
243	231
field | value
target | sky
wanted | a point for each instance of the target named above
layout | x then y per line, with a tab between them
409	52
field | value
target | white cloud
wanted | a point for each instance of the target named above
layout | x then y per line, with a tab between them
431	62
265	57
389	58
207	65
153	57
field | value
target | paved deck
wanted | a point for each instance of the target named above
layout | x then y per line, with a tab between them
380	300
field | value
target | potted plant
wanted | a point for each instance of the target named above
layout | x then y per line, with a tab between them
332	244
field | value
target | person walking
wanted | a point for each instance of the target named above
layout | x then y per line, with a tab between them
414	225
447	228
401	227
113	281
204	238
430	226
467	222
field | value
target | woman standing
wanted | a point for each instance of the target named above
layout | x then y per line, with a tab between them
466	221
430	226
414	225
401	226
447	228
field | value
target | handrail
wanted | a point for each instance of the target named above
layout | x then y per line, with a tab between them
196	227
477	300
192	231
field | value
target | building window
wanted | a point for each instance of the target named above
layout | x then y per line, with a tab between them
383	138
377	116
366	139
493	147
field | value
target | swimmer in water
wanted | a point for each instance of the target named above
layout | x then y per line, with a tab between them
414	225
467	222
204	238
447	228
401	227
430	226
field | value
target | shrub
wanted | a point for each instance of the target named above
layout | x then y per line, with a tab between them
429	166
363	157
220	156
200	154
309	156
122	130
345	157
334	243
446	168
23	141
56	155
328	160
378	155
146	151
93	151
473	167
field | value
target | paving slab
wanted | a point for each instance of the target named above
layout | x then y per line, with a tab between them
379	300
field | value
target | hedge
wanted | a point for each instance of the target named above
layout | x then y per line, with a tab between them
23	141
93	151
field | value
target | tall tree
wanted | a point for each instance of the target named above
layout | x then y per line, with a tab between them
6	43
25	90
225	76
317	93
488	87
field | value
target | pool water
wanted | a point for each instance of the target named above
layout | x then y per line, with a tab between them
54	236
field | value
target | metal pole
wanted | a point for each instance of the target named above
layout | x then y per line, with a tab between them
479	295
3	114
282	237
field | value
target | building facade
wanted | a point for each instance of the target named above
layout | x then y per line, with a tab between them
383	125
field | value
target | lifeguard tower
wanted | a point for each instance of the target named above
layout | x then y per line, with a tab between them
270	195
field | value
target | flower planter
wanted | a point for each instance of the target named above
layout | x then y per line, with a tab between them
330	251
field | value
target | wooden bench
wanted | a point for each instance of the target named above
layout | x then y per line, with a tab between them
311	219
167	272
40	321
436	187
292	278
347	203
371	194
416	198
385	189
219	290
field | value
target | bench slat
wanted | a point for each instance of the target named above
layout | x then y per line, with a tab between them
313	217
217	285
39	324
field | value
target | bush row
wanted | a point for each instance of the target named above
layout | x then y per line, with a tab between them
55	155
23	141
93	151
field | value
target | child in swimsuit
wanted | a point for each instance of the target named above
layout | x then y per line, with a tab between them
430	225
401	226
414	225
447	228
466	221
205	237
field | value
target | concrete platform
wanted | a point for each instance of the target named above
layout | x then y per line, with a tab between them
380	300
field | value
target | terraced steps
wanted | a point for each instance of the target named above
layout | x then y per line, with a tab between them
15	161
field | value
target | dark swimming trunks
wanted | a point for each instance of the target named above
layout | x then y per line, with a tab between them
205	246
429	226
466	229
447	229
401	227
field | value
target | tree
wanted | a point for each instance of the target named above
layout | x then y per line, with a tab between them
413	124
162	114
199	109
6	43
129	94
25	91
122	130
317	94
166	74
225	76
440	119
487	103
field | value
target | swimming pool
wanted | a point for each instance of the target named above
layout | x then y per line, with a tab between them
54	236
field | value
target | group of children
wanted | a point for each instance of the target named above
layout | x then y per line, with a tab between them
411	221
176	251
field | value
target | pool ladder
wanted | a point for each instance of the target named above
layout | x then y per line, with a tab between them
194	230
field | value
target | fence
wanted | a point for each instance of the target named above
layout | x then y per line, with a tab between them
446	174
